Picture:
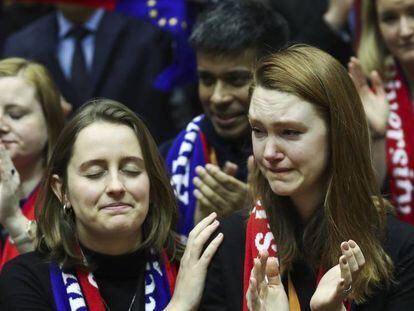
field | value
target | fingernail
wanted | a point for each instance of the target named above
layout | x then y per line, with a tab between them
345	246
344	261
352	243
215	223
220	235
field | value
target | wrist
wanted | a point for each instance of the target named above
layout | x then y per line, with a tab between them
27	236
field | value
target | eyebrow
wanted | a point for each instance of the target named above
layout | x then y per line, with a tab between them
89	163
279	123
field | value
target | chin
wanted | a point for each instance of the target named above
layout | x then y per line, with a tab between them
281	188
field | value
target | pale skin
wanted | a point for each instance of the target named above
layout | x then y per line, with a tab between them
377	110
23	136
291	149
329	294
108	192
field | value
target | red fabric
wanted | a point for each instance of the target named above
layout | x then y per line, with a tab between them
259	237
171	271
106	4
400	148
90	291
28	210
205	147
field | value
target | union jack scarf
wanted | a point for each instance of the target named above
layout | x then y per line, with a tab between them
189	150
76	290
400	147
259	237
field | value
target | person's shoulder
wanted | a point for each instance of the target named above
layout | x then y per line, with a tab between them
135	26
32	262
23	41
36	28
399	237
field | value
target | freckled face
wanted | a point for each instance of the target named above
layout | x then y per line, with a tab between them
396	25
108	186
224	83
289	143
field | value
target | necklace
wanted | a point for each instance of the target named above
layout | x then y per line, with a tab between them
130	305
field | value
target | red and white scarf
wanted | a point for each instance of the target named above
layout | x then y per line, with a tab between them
400	147
259	237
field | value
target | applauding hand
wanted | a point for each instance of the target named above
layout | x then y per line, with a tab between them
194	263
266	290
374	100
336	284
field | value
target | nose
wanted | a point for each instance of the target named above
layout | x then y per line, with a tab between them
4	126
220	93
115	186
406	26
272	151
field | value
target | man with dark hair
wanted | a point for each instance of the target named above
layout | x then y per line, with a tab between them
208	159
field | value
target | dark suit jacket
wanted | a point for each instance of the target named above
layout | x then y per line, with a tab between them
129	55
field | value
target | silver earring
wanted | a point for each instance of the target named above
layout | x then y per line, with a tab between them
66	208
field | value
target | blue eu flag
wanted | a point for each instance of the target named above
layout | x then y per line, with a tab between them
171	15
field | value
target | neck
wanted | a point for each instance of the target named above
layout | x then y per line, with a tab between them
30	175
111	244
76	14
307	203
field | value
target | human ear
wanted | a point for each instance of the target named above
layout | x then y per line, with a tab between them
56	185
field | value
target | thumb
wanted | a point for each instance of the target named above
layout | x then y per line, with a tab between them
230	168
272	271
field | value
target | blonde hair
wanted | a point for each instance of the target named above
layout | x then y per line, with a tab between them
372	51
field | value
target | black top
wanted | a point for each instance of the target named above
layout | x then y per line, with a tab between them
233	150
224	284
25	281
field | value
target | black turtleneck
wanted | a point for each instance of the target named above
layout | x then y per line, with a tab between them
25	281
119	278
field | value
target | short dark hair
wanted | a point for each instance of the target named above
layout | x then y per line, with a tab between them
232	26
57	230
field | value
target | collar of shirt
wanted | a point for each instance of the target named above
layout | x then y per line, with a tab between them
92	24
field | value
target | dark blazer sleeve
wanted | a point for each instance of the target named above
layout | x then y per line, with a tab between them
224	284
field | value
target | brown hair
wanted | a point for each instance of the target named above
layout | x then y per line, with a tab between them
349	211
372	51
57	230
47	94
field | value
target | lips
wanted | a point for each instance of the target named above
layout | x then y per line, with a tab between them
279	170
226	120
116	206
